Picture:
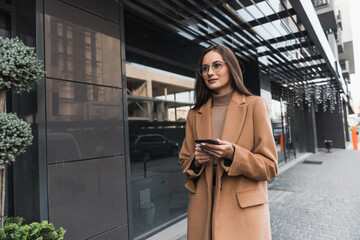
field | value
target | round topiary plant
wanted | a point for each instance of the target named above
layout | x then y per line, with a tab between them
19	66
15	137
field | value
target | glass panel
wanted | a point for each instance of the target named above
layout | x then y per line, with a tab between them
156	136
83	198
105	9
289	133
8	2
278	130
300	130
271	30
81	46
83	121
318	3
5	25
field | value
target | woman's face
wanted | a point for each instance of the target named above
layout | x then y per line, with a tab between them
219	81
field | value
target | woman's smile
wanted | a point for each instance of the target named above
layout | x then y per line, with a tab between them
213	80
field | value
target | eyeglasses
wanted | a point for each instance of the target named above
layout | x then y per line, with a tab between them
215	66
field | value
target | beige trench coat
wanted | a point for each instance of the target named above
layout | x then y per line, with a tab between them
241	209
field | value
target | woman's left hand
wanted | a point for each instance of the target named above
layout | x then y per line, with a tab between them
225	149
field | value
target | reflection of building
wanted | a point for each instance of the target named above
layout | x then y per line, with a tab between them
181	114
152	94
97	95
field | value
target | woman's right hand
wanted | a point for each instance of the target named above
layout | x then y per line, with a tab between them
201	157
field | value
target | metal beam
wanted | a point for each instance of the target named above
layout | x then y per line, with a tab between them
281	49
307	15
300	60
198	17
261	21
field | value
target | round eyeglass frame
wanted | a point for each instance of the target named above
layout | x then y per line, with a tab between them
212	67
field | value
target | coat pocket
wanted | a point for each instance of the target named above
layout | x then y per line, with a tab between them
190	185
252	197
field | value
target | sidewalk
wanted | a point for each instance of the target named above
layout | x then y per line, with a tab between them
319	199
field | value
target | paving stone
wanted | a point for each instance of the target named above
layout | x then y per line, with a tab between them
318	201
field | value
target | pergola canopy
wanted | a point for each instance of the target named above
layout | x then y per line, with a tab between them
273	32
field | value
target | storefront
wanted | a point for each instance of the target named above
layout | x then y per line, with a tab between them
109	116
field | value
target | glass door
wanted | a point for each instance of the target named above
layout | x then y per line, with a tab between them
288	133
278	130
282	124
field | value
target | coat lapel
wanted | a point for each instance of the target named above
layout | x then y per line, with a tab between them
235	118
203	131
203	121
234	122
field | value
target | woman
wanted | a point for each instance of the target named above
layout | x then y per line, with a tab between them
227	182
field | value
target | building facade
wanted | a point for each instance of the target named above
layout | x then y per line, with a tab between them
109	117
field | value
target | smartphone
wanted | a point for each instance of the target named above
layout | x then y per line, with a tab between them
210	141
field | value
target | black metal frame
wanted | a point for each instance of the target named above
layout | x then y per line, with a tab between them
41	89
214	21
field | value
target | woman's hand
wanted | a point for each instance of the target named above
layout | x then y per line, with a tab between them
201	157
225	149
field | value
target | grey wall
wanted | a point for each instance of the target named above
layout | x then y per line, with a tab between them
84	119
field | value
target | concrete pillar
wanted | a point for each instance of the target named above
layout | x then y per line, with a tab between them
160	111
150	105
166	111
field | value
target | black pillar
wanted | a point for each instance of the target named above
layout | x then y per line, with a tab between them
251	76
330	126
310	129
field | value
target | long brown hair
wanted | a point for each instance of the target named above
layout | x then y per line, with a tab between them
202	92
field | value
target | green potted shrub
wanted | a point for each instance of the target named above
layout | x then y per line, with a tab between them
19	66
15	230
19	69
15	137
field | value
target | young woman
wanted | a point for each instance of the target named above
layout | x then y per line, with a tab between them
227	181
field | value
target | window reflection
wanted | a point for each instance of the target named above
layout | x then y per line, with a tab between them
158	103
5	25
281	118
278	130
87	117
74	51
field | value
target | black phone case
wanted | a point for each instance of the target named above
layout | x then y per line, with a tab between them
210	141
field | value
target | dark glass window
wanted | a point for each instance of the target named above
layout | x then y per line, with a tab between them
5	25
8	2
158	139
318	3
157	109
